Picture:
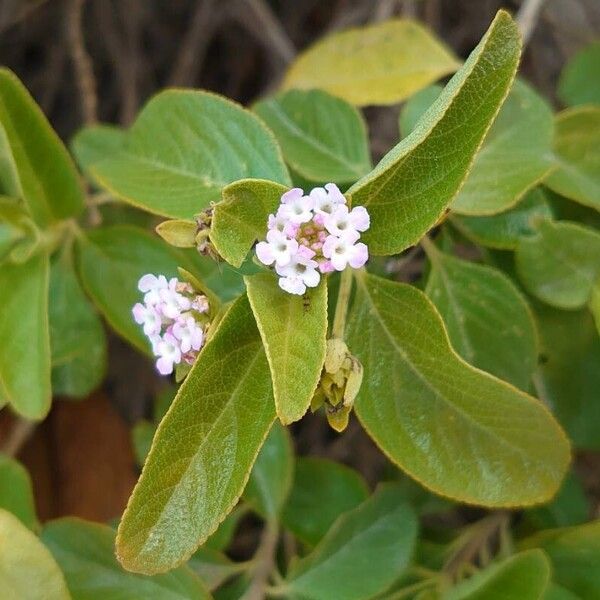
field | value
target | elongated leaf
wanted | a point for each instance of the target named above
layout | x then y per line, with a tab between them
183	148
94	143
322	490
516	154
378	64
416	106
16	493
524	576
293	330
85	553
376	538
24	331
504	230
575	556
411	187
322	137
271	477
203	450
568	378
577	149
27	569
489	322
457	430
43	173
77	337
241	217
580	80
560	264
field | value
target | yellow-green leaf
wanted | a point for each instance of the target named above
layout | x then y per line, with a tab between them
293	329
411	187
580	80
378	64
203	450
460	432
94	143
16	492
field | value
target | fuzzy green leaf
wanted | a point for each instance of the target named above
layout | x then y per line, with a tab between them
322	490
379	64
460	432
580	80
25	347
203	450
94	143
560	264
416	106
294	330
241	216
489	322
183	148
41	170
27	569
16	492
362	554
322	137
85	552
577	149
411	187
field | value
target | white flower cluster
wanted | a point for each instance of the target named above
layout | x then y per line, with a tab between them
174	317
313	234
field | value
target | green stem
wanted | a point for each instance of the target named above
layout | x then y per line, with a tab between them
410	590
430	248
341	308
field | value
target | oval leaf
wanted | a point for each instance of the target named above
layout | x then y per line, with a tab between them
410	188
457	430
85	552
416	106
489	322
378	64
183	148
16	492
580	80
203	450
376	538
27	569
94	143
322	137
293	329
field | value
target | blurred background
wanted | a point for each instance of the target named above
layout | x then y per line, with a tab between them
100	60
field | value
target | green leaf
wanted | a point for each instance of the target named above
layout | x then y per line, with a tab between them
16	492
142	434
575	556
223	536
363	553
27	569
595	304
322	490
524	576
457	430
241	216
416	106
323	138
516	154
178	232
271	477
77	337
183	148
504	230
577	149
580	80
293	330
378	64
489	323
213	567
568	378
25	347
85	552
203	450
112	259
557	592
560	264
19	236
94	143
411	187
43	173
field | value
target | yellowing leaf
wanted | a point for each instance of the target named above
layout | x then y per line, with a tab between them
411	187
460	432
203	449
377	64
293	329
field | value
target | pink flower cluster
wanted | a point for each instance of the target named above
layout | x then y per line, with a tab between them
313	234
173	316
